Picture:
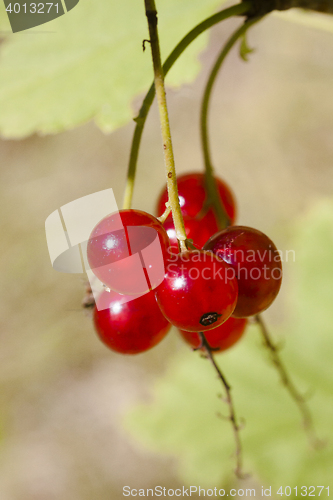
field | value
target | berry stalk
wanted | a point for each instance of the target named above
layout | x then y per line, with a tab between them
232	414
169	161
223	221
235	10
286	381
211	186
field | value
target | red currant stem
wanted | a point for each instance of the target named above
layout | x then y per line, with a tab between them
165	214
169	160
286	381
212	190
235	10
232	414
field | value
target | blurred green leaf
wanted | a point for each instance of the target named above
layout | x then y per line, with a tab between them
89	64
182	419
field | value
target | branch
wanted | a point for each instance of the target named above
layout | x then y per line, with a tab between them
232	414
289	385
262	7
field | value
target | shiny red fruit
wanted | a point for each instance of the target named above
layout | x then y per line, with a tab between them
127	250
256	263
222	337
197	293
198	230
128	325
192	196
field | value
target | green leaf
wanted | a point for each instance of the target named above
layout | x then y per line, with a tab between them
89	64
182	419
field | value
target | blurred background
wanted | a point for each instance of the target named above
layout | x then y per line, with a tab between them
65	397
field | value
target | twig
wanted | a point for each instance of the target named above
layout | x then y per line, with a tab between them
232	414
165	214
144	44
299	399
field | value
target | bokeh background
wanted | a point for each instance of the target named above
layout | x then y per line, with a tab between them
79	421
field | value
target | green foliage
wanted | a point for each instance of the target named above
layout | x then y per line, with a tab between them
89	64
182	419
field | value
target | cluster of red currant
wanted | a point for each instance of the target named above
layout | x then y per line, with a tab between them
213	287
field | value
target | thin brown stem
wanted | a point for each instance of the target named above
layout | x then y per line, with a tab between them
289	385
232	414
169	161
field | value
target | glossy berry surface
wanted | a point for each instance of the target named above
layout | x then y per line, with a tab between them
126	251
198	230
129	327
222	337
197	293
192	196
256	263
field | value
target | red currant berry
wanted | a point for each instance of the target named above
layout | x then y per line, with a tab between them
256	263
127	250
128	325
197	293
198	230
192	196
222	337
